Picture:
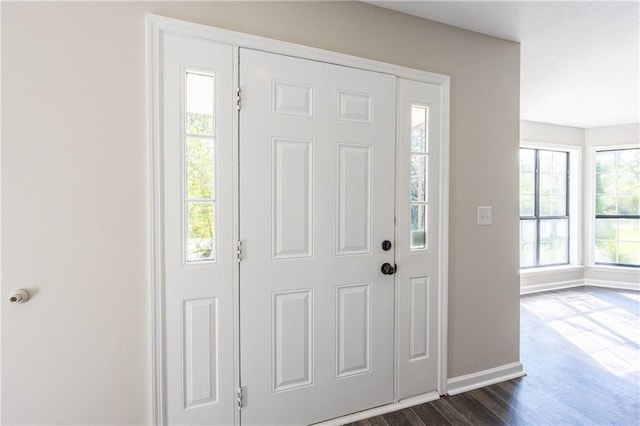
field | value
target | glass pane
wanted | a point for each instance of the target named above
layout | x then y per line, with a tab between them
199	104
552	205
419	135
605	161
606	229
200	169
628	204
527	243
527	205
628	183
628	160
628	229
200	231
618	241
527	193
618	182
419	178
629	253
545	161
605	251
606	204
418	226
528	231
554	241
527	255
629	241
605	183
559	162
527	160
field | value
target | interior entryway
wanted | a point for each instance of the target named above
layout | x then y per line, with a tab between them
300	232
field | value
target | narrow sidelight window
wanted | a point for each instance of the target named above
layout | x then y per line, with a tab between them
419	194
617	199
544	208
199	161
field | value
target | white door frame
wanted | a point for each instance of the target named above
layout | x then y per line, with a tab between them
156	26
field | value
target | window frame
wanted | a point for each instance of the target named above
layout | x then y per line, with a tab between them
591	209
574	205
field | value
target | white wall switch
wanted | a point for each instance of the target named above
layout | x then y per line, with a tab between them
485	215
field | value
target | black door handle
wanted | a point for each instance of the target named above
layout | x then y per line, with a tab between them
387	269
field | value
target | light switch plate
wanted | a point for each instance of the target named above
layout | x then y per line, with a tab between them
485	215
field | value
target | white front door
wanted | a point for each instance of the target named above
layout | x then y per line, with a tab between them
317	155
198	261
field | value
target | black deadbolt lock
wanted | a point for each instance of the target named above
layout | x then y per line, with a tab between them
386	245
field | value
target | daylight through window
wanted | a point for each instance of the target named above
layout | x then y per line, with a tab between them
617	230
544	208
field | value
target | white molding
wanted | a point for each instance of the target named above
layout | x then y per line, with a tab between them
623	270
443	268
528	143
484	378
183	28
618	285
551	270
154	226
156	26
383	409
542	287
1	221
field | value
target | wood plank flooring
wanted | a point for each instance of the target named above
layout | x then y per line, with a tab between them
581	351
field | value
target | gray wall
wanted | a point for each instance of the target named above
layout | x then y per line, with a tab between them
73	188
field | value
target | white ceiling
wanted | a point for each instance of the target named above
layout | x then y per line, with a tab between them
579	59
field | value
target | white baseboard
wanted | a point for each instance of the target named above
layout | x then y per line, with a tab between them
484	378
377	411
619	285
558	285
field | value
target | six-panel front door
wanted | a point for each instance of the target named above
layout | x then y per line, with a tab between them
317	155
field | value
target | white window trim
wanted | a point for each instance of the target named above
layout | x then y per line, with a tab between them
576	242
590	209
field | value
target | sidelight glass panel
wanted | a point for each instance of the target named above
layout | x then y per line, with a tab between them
200	231
199	164
419	178
418	226
200	169
419	134
199	104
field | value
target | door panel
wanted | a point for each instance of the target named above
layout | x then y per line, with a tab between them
418	189
198	255
316	201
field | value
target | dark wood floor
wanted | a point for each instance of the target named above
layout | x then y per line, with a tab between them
581	350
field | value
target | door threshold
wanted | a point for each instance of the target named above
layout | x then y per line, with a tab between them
383	409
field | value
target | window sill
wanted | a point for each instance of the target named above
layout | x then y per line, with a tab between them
617	269
547	270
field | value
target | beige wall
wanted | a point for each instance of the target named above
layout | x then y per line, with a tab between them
73	188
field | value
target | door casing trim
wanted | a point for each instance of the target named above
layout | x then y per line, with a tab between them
155	27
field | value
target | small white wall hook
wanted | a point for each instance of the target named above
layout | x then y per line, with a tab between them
19	296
